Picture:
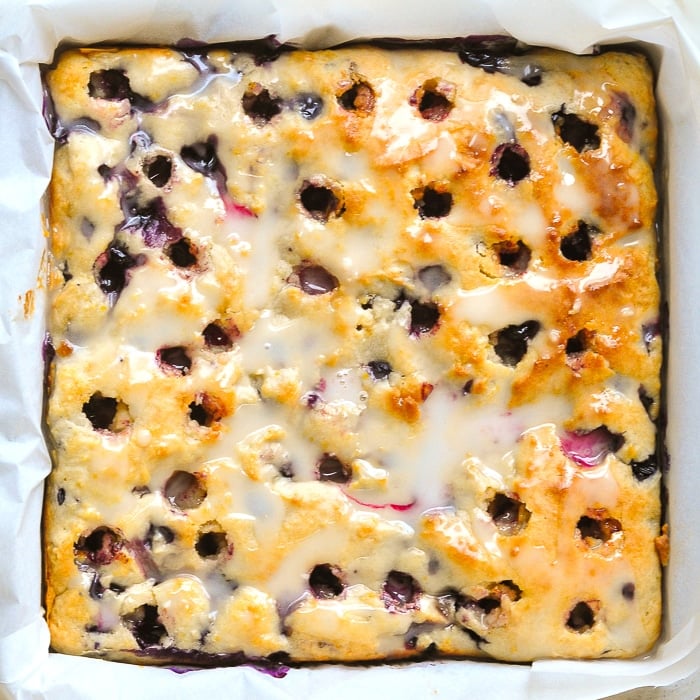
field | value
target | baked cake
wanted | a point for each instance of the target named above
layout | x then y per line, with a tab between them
354	355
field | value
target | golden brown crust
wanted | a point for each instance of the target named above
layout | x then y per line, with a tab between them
357	356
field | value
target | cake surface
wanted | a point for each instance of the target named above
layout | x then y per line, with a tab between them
356	355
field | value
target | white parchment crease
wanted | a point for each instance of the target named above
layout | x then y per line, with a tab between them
31	30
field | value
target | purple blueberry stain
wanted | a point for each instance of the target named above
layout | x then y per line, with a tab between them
146	626
589	448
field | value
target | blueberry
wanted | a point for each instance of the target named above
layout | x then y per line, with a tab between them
628	591
425	316
510	162
509	514
577	343
400	592
259	105
379	369
581	617
484	59
511	343
313	279
110	84
174	359
514	255
60	496
325	581
111	269
100	410
433	101
216	336
199	414
308	104
577	244
158	170
434	276
202	157
646	400
599	529
150	219
330	468
96	590
182	253
357	98
184	490
589	448
210	544
645	469
468	386
531	75
649	332
206	410
319	201
432	203
100	546
627	115
571	129
146	626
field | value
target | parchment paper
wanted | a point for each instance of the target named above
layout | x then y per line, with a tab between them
30	31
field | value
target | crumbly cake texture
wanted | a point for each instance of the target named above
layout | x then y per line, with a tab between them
355	355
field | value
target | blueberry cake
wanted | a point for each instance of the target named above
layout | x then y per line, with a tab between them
353	355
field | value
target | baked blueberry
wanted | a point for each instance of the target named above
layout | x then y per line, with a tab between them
510	162
400	592
174	359
577	132
330	468
313	279
325	581
184	490
359	97
511	343
509	513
